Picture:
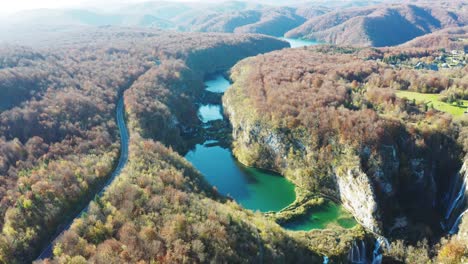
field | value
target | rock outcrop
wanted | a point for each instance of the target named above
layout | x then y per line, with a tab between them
384	175
357	195
258	145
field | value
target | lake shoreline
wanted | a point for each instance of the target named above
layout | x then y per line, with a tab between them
256	189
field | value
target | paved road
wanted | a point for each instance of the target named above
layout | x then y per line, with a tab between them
47	252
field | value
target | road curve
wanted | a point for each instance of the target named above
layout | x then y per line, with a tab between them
124	140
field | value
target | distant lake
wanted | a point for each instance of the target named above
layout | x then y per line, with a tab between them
296	43
217	84
208	113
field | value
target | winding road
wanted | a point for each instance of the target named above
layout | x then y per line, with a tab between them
124	138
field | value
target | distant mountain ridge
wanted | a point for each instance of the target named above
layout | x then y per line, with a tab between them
382	25
362	23
269	21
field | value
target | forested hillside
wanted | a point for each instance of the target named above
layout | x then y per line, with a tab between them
373	136
450	39
59	138
328	119
382	25
160	209
363	23
269	21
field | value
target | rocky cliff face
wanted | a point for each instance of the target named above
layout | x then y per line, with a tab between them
357	195
379	195
257	144
380	188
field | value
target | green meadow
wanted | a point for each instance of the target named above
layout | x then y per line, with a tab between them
433	99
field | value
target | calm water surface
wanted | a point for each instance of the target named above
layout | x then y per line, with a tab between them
253	188
295	43
208	113
217	84
328	215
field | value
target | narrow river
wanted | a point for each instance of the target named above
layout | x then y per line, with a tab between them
124	138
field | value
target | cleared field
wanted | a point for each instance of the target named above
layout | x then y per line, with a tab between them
433	99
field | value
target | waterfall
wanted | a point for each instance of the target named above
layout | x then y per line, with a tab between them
325	260
459	198
456	201
377	253
358	254
454	228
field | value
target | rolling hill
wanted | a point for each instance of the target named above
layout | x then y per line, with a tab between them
381	25
450	38
269	21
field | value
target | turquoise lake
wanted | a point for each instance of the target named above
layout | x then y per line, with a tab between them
252	188
255	189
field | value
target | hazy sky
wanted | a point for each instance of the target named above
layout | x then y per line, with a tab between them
11	6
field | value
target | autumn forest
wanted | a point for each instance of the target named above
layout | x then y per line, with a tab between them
371	136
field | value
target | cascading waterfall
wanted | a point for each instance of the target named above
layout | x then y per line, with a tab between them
377	255
358	254
454	228
456	201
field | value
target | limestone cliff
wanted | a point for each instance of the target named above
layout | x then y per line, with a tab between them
312	114
258	144
357	195
391	185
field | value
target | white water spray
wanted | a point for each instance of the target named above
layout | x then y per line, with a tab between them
457	202
459	199
454	228
357	254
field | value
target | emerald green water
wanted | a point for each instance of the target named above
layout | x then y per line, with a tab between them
328	215
252	188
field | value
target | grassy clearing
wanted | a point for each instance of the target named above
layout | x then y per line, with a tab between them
433	99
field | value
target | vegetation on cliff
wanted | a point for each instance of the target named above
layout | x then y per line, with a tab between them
318	114
329	99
